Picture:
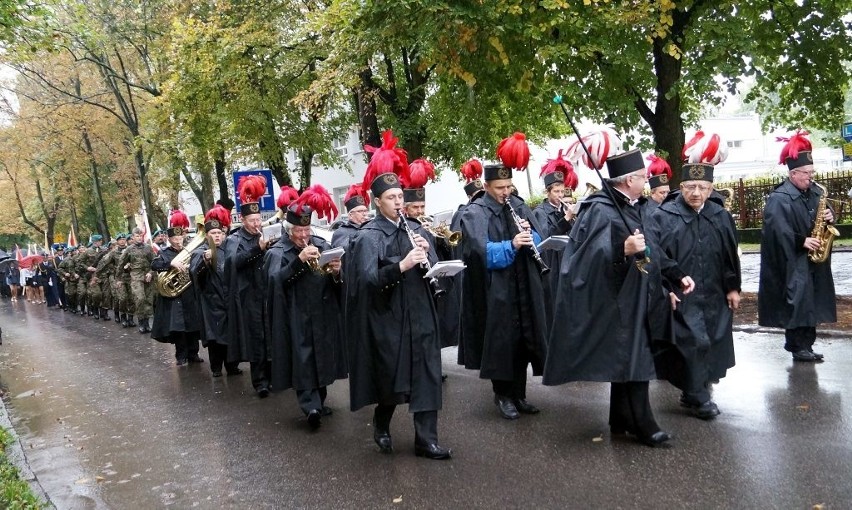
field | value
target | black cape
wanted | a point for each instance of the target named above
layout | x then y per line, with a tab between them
703	246
245	291
794	292
210	286
449	305
553	221
303	307
609	335
343	235
392	327
173	315
486	343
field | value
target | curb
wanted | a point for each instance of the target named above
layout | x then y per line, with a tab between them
751	328
15	453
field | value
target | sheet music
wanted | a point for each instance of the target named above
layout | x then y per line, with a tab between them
445	268
329	255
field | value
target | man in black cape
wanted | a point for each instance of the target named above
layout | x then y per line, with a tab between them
245	290
176	318
795	293
608	296
556	219
357	213
207	270
698	255
503	317
308	352
393	345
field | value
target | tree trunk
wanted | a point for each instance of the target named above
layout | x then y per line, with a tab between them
306	158
368	123
221	174
103	228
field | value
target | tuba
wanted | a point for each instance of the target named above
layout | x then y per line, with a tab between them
441	230
822	231
173	283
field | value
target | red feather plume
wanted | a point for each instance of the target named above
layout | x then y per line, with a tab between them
796	143
288	196
219	213
420	172
178	218
386	159
471	170
658	166
561	164
251	188
319	200
514	151
357	190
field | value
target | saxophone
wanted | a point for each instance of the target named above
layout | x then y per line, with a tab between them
822	231
173	283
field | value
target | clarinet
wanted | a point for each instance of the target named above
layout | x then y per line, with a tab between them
536	256
437	291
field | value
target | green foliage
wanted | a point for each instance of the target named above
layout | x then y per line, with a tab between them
15	494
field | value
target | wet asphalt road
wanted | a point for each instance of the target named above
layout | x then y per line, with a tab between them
108	421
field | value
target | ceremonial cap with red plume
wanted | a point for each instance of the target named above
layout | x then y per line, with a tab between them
797	150
559	170
602	144
471	170
705	148
287	196
514	153
178	223
388	165
250	190
420	171
314	199
659	171
356	196
217	218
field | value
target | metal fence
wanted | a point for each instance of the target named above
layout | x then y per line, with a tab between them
749	196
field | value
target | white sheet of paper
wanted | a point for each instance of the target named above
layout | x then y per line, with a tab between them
554	243
329	255
443	217
445	268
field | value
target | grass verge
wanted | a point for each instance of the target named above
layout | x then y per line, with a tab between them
15	494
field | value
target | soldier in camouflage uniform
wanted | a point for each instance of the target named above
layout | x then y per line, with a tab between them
114	277
121	289
137	260
105	275
86	293
68	274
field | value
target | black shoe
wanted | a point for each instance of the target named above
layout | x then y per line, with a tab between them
383	439
236	371
444	378
130	322
315	419
655	439
327	411
620	430
525	407
180	362
507	407
804	355
706	411
216	373
116	316
263	392
195	359
96	316
817	355
432	451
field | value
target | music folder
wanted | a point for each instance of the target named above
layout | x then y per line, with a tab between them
329	255
445	268
557	243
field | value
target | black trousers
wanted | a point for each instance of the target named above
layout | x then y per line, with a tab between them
799	339
425	423
630	409
311	400
517	387
260	371
218	354
186	346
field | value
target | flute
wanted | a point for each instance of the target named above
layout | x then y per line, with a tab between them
437	291
542	267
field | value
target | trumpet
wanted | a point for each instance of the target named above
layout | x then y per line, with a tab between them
441	230
591	189
437	291
542	267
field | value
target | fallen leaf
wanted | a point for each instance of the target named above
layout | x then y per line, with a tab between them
597	439
819	506
803	407
397	499
82	481
99	479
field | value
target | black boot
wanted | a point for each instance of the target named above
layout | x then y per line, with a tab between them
130	322
116	316
143	325
105	314
96	313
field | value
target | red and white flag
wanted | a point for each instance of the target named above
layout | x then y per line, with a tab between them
72	239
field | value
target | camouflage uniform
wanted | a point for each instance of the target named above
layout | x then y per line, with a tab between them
68	274
105	272
139	256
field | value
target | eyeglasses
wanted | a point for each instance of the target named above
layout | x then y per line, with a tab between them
700	187
809	174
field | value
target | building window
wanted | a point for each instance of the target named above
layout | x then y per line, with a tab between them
735	143
341	147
